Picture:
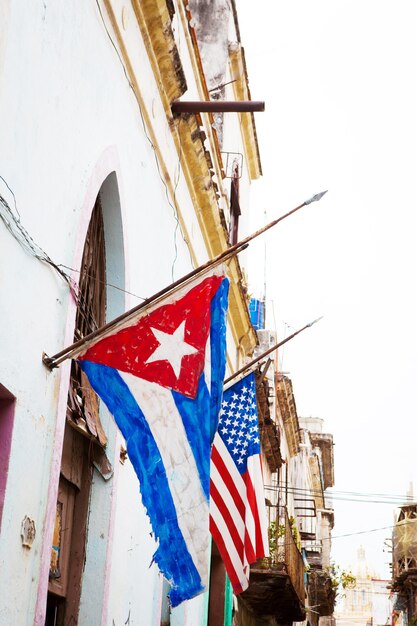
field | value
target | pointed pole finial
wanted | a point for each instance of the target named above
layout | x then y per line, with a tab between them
316	198
256	360
315	321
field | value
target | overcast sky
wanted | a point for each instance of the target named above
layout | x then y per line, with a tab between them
339	81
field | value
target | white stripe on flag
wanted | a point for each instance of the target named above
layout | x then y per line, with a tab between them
230	546
244	526
230	464
240	485
238	482
165	422
249	521
250	524
226	496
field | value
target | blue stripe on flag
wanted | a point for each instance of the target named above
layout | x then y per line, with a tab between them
194	414
200	415
218	352
171	556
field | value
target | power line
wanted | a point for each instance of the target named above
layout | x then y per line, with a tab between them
351	493
12	222
352	534
102	282
344	496
362	532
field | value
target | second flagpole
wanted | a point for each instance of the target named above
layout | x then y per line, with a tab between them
264	354
56	359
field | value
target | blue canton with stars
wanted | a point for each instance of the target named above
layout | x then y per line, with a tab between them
238	422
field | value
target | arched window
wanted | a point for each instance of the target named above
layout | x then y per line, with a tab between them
84	436
91	314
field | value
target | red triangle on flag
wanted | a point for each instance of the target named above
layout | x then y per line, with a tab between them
166	346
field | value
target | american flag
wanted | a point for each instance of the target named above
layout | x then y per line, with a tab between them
237	505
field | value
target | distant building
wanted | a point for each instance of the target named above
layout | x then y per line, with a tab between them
370	602
404	564
317	520
293	584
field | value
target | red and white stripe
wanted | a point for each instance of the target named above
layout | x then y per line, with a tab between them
237	513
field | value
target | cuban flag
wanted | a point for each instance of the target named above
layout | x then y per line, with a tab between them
161	376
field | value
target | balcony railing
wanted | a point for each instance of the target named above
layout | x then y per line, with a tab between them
276	586
294	561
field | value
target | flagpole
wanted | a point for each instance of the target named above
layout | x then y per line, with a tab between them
53	361
56	359
264	354
315	198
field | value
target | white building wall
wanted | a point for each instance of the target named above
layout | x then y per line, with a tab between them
382	602
69	118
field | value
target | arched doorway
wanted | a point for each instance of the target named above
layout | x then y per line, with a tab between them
88	447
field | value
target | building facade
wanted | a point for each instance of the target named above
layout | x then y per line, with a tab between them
404	564
107	196
293	584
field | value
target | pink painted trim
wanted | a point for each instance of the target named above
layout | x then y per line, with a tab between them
7	405
158	612
118	442
49	522
110	534
107	163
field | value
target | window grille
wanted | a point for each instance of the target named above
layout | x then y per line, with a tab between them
83	404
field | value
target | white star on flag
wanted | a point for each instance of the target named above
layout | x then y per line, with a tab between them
172	348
